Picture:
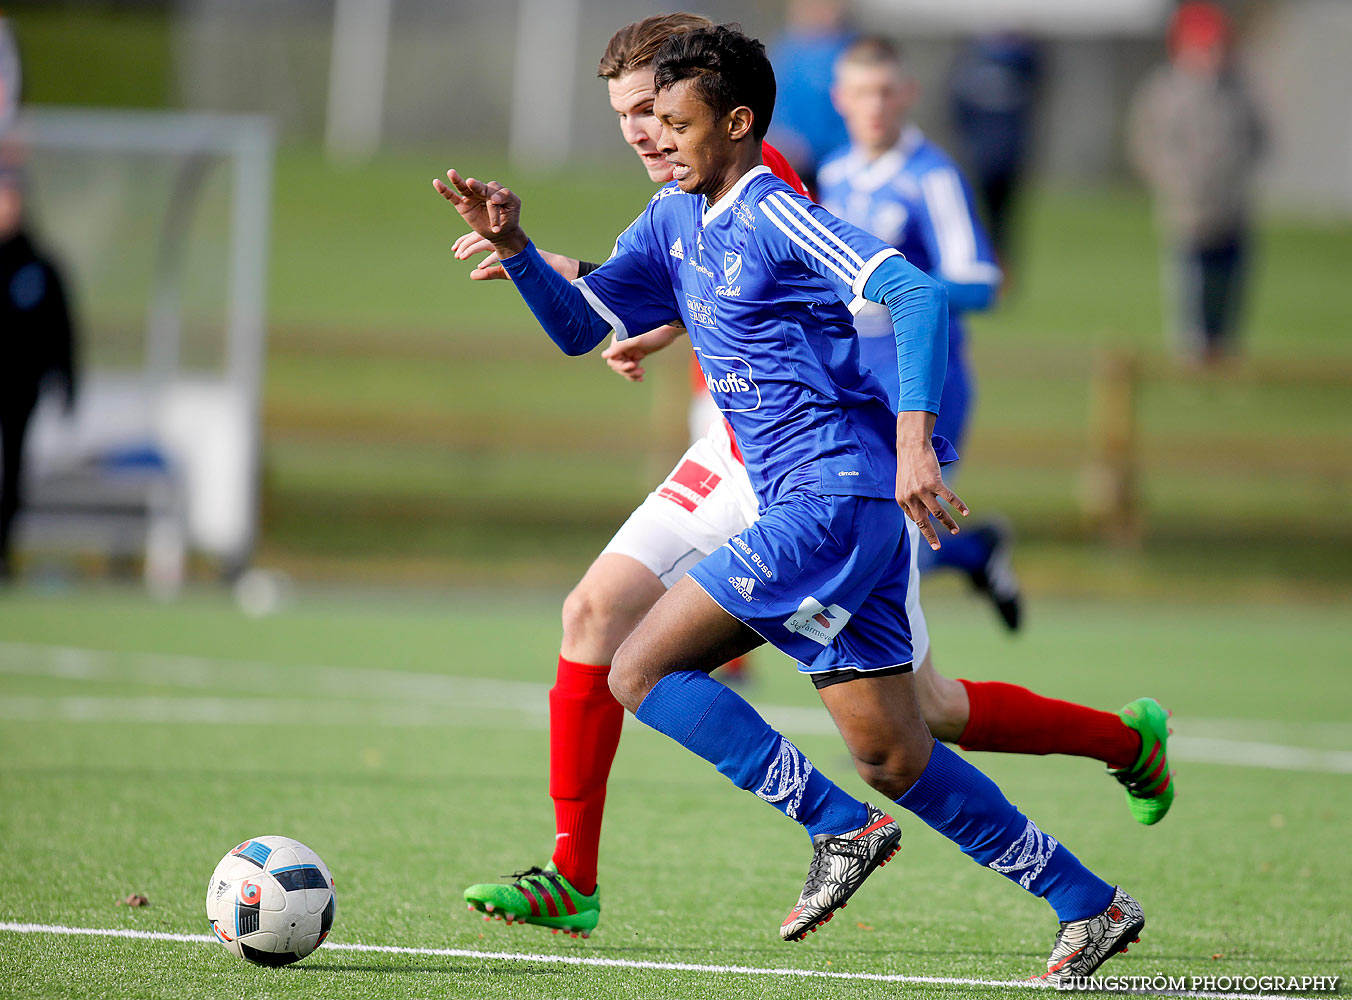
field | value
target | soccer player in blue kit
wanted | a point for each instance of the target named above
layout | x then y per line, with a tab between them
895	183
758	275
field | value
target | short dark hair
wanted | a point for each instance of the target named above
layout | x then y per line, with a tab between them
634	45
730	70
872	50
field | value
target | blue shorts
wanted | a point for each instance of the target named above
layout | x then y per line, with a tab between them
822	578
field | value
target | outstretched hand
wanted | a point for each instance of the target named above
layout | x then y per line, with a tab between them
623	356
490	209
470	245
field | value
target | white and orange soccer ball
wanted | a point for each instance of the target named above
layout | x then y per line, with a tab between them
271	901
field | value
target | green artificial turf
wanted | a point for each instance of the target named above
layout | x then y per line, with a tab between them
414	762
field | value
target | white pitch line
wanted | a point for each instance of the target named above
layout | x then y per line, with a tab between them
400	698
1204	750
283	710
273	679
602	963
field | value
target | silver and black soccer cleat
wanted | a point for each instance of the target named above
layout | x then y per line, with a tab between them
839	866
1083	945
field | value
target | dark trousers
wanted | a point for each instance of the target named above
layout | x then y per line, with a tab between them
13	429
997	191
1210	294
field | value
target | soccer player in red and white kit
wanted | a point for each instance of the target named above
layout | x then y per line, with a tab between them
707	499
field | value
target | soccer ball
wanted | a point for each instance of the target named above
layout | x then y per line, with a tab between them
271	901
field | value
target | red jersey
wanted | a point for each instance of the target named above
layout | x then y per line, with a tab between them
779	166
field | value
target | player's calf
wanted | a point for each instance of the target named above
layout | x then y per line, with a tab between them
943	702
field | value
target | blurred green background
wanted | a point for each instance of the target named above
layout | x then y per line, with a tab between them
419	428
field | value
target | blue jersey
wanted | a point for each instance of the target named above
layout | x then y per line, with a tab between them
914	199
761	280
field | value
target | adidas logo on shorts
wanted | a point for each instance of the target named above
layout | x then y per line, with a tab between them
743	585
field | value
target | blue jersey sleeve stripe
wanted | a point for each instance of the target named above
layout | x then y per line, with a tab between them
952	218
814	224
786	214
783	227
976	272
601	309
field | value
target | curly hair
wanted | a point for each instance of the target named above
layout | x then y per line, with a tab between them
730	70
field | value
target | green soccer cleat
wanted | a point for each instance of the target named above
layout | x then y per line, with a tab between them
538	896
1149	782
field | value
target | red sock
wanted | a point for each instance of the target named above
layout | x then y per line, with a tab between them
584	730
1011	719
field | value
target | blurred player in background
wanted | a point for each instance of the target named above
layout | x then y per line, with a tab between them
1196	137
36	345
896	184
993	92
707	499
829	526
806	126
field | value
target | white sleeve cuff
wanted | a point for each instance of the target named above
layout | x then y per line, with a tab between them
866	272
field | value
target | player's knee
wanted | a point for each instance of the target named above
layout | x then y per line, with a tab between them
893	770
586	618
599	614
627	681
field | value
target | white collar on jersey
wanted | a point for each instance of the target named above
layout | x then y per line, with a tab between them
713	211
868	176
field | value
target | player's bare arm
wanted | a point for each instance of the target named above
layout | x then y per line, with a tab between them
490	268
920	482
623	357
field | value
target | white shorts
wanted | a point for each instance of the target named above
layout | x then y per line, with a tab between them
702	503
920	642
706	499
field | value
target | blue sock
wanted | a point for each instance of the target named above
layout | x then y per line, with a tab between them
715	722
966	807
